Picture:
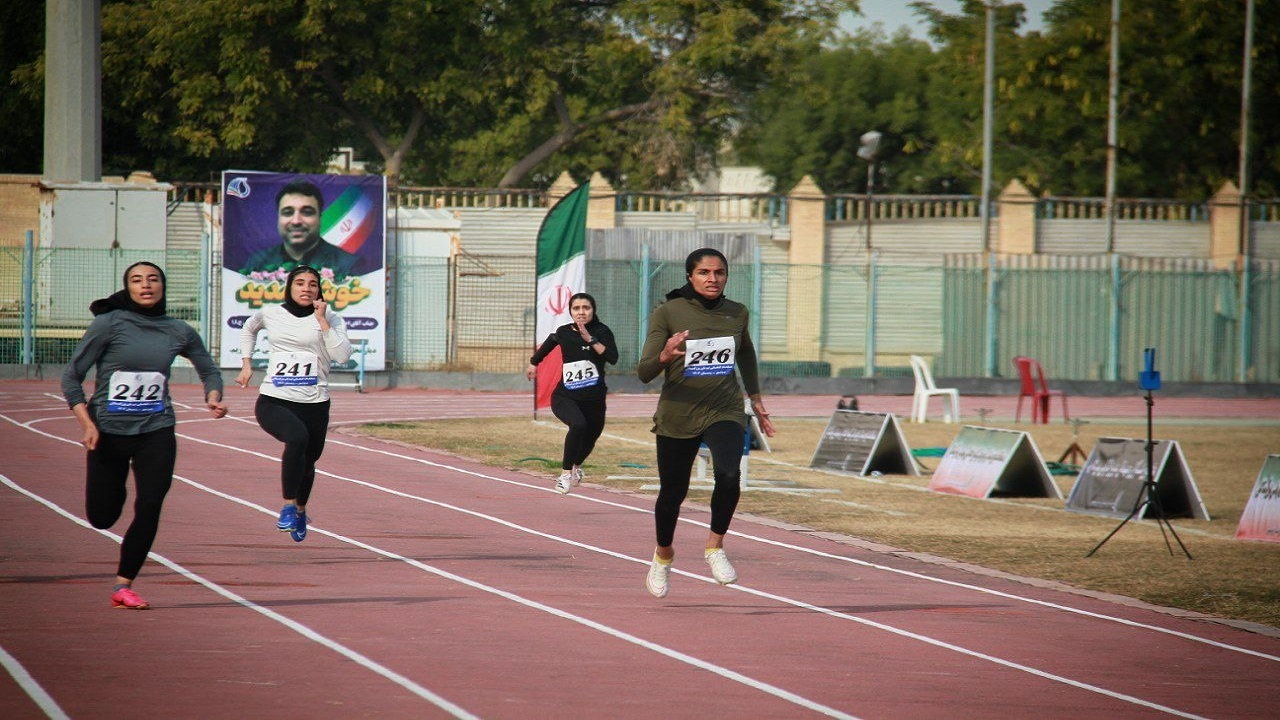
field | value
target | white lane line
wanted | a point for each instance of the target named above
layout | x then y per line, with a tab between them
822	554
535	605
30	686
386	672
777	598
303	630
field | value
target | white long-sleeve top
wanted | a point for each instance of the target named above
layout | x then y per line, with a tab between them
298	353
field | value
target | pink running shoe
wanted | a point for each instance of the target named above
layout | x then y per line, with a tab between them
128	599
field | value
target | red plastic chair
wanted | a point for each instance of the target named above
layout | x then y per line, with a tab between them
1035	387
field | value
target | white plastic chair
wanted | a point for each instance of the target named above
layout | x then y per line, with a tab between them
925	389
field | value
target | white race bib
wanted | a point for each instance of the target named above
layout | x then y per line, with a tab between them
136	392
292	369
709	356
580	374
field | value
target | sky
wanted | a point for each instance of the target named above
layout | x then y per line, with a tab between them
894	14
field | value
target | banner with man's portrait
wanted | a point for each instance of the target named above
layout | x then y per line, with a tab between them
269	227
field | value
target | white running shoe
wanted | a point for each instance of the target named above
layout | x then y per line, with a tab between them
577	475
564	482
721	570
656	581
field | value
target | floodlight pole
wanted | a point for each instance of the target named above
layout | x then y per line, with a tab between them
869	366
988	119
1113	94
984	211
870	147
1246	274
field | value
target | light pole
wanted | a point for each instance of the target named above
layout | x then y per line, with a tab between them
870	146
984	211
1113	99
1246	88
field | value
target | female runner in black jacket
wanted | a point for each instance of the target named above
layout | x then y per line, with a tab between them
579	398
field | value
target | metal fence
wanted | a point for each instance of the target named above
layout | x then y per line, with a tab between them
1084	318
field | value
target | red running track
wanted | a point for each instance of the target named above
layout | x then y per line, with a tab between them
435	587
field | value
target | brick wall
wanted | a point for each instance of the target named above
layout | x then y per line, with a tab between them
19	208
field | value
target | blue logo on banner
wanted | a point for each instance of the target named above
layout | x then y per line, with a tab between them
238	188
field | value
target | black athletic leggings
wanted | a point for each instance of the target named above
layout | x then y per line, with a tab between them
152	455
585	419
302	428
725	439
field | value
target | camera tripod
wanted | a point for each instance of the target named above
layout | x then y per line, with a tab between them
1148	497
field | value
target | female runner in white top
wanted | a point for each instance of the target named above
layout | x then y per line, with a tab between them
303	337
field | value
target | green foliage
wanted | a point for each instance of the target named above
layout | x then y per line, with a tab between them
654	92
471	92
809	122
1179	96
1180	84
21	96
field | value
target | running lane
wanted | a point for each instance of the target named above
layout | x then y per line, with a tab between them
434	587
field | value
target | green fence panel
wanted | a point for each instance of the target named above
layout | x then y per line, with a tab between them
616	285
66	280
964	323
420	330
1264	351
11	275
1059	317
1190	318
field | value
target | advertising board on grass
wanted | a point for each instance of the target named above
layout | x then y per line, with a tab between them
984	462
1261	517
863	442
1112	478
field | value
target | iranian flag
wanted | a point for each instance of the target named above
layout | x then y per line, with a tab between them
349	220
561	260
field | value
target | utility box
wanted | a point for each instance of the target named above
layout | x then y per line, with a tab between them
78	221
104	215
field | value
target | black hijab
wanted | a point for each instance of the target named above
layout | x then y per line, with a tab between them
289	303
687	292
121	300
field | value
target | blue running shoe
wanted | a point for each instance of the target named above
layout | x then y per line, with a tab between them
299	530
287	515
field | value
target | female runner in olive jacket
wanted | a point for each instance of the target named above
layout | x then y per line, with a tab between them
696	340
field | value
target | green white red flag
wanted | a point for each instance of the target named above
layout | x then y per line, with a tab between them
561	262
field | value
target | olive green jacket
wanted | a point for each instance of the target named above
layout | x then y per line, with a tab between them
688	404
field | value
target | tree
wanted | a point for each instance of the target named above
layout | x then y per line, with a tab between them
808	122
955	95
21	104
511	84
1180	79
671	77
287	82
